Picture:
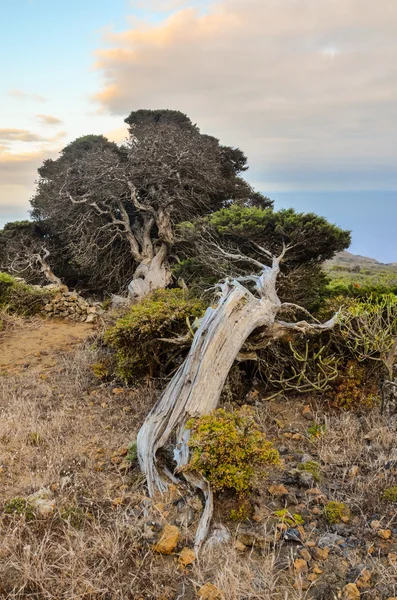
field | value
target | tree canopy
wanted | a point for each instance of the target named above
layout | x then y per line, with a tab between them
115	207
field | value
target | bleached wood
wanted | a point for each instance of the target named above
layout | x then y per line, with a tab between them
197	385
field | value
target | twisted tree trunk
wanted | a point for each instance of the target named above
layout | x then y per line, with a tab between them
196	387
151	274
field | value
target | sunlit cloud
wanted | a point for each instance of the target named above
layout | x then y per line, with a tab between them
48	120
302	86
19	135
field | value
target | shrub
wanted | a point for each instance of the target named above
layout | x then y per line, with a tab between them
21	298
21	507
335	512
355	389
229	450
141	337
291	519
390	495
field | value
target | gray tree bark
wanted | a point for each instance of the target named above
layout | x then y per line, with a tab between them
196	387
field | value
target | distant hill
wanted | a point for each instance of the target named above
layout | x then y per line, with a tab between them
347	259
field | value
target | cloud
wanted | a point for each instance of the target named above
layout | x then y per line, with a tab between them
19	135
49	120
302	86
21	95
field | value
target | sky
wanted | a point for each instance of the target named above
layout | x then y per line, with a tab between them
307	88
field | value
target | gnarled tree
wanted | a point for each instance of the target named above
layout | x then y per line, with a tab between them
116	207
196	387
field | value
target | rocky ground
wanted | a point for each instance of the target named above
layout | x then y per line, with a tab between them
75	522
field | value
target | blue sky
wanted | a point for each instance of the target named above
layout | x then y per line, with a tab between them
307	90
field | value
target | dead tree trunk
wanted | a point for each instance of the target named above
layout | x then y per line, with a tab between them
46	269
196	387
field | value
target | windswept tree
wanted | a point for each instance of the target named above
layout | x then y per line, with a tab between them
116	207
230	242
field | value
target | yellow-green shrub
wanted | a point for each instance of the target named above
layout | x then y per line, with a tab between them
335	512
139	337
229	450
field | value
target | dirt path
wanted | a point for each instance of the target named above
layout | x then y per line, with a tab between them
37	348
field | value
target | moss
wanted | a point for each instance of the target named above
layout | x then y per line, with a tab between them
19	506
100	370
290	519
311	466
335	512
390	495
140	337
229	450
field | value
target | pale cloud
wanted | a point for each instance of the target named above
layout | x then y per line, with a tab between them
21	95
48	120
19	135
308	88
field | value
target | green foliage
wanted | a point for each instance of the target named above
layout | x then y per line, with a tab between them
335	512
315	430
375	281
242	513
21	298
228	449
290	519
312	467
19	506
140	337
390	495
132	454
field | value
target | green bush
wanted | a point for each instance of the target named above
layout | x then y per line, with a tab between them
229	449
335	512
140	337
21	298
390	495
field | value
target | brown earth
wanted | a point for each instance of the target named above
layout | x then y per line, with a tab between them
37	348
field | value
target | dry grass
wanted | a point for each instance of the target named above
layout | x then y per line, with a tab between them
63	430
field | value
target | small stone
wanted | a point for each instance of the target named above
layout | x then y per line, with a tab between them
298	437
364	581
385	534
168	540
317	570
312	577
375	524
117	391
209	592
392	558
354	471
351	592
305	554
186	557
300	565
307	413
320	554
278	490
91	318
